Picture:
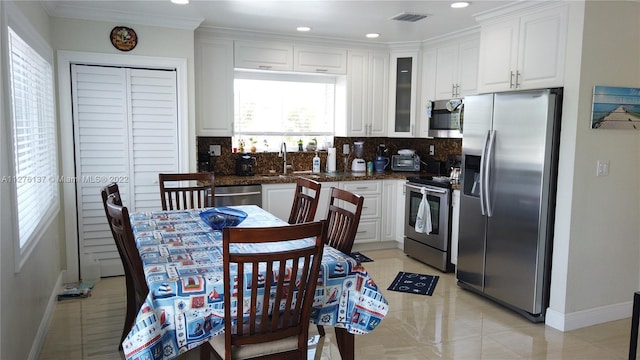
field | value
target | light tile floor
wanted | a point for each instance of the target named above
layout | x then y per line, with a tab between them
451	324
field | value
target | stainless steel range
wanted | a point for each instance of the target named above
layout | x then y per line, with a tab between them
432	248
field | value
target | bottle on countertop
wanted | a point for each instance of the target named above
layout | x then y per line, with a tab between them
316	163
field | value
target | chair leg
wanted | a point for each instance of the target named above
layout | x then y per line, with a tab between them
130	315
635	321
320	330
205	354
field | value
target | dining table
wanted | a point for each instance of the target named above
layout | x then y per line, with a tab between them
182	260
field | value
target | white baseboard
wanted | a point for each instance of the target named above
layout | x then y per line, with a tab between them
584	318
41	335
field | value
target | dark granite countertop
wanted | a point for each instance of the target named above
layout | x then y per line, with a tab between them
222	180
226	180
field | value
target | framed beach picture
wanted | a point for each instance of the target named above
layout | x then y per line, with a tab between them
615	108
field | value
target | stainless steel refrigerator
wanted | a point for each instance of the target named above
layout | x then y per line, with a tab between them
507	200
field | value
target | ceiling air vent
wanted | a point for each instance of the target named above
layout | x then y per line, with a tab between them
410	17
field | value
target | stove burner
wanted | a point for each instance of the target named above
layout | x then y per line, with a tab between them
439	181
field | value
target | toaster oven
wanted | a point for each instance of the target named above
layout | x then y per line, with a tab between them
405	163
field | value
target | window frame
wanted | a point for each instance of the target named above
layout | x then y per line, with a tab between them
29	35
291	77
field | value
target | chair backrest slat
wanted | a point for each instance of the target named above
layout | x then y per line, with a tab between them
304	205
343	223
199	193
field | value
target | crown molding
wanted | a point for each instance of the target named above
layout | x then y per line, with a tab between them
78	12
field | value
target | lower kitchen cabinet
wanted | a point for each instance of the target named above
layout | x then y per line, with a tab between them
455	223
278	199
325	197
370	226
380	221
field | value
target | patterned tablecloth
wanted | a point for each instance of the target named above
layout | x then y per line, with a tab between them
182	259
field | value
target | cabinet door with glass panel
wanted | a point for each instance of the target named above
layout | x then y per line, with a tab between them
402	94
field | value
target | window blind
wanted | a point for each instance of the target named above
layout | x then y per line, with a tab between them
34	136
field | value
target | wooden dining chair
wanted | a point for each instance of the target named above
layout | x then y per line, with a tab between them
136	284
130	314
187	190
260	331
343	217
305	204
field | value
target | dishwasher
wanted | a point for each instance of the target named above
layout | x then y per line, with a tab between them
238	195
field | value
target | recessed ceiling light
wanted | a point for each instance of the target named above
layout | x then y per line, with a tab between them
372	35
460	5
303	28
180	2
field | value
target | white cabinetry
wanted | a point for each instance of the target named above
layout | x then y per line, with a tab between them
403	75
391	219
278	198
367	89
457	70
523	51
455	224
319	59
214	87
325	197
369	229
263	55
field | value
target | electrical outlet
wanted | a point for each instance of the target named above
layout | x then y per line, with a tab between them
432	150
214	150
602	168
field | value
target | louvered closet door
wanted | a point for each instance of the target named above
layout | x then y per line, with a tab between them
125	129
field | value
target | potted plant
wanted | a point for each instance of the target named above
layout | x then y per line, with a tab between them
253	144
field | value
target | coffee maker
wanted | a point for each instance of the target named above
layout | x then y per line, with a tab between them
245	165
204	162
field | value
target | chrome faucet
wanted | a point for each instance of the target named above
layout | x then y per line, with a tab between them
283	154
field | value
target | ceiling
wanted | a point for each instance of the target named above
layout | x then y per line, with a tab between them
329	19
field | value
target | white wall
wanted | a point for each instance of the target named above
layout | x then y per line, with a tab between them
93	36
596	265
26	295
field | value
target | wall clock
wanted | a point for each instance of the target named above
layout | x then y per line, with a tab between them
124	38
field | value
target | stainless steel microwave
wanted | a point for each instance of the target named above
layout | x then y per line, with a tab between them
446	119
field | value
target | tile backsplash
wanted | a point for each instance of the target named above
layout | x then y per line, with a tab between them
302	160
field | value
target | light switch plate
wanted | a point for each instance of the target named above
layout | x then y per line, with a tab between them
432	150
214	150
602	168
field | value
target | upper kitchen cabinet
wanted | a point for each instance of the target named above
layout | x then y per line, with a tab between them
367	89
524	50
214	87
263	55
278	56
320	59
457	70
403	74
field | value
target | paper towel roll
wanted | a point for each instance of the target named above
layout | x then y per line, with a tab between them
331	159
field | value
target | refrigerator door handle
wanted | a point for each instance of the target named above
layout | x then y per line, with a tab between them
487	173
483	159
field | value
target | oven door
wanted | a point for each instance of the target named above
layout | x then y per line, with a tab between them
438	199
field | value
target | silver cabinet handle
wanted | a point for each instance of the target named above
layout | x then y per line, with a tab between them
517	79
510	79
264	67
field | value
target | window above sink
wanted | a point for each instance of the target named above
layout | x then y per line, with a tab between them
272	107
